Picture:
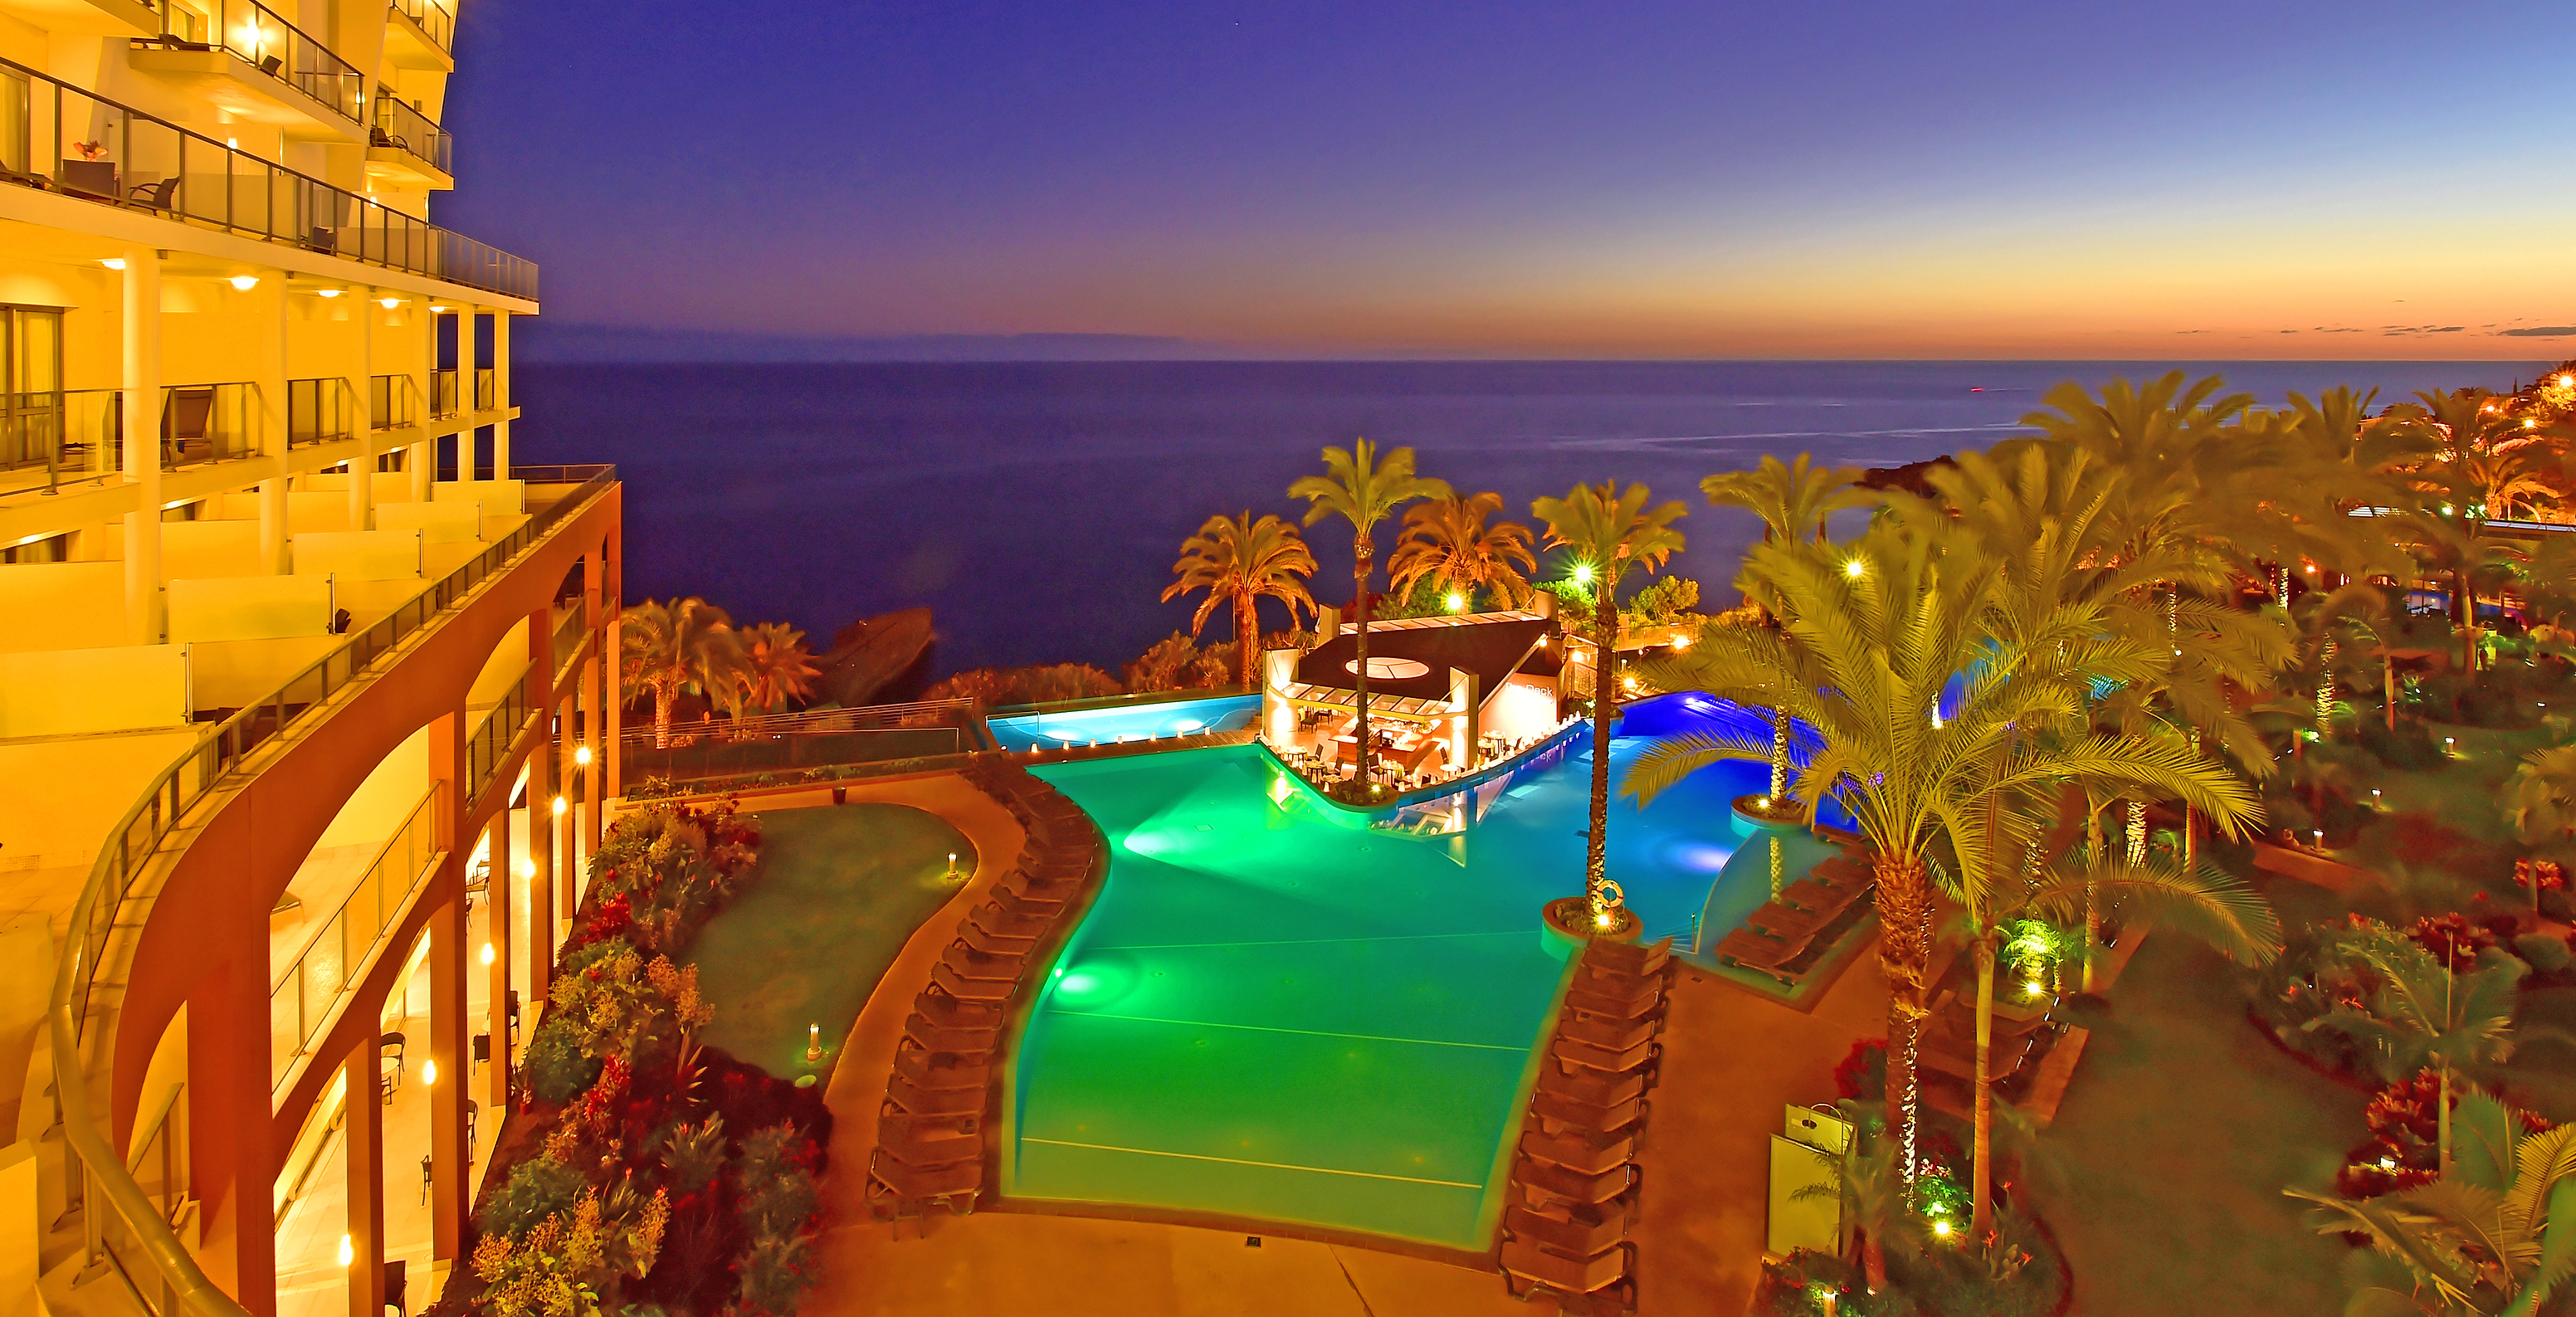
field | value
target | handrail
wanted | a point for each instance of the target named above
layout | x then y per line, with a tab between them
265	41
141	161
412	869
406	129
139	834
435	19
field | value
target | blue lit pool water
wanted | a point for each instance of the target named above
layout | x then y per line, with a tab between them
1278	1011
1136	722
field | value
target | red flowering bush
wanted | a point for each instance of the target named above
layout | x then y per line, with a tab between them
2404	1147
2456	939
1863	1073
2546	873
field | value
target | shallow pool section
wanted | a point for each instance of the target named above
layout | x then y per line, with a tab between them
1135	722
1282	1011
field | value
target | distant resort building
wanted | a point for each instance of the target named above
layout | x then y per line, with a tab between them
306	696
1445	692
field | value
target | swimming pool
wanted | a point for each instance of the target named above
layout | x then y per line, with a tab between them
1279	1011
1126	722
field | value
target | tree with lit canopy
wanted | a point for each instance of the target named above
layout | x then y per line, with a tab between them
1609	532
1238	560
1447	541
1873	630
775	668
1362	490
687	646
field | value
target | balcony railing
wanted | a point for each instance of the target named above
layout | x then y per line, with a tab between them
63	139
79	434
407	129
434	19
125	1224
490	743
567	638
485	389
393	401
318	411
300	1000
442	393
253	33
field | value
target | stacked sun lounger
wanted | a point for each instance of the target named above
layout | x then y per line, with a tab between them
1786	937
930	1132
1574	1185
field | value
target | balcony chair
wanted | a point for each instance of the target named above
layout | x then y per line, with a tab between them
186	429
394	1287
154	196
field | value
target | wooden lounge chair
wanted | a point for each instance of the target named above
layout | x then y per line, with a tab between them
1628	956
930	1148
1823	898
1556	1109
899	1126
1763	955
954	1187
1574	1051
1788	923
994	919
1625	1003
913	1100
1543	1183
1596	1088
975	964
973	933
950	1011
1577	1234
1617	1036
1021	905
1535	1269
944	1038
928	1069
1590	1155
945	977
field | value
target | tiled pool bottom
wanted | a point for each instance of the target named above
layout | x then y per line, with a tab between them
1279	1014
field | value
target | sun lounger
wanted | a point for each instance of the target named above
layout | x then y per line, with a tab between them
965	989
1628	956
1756	951
1788	923
1543	1183
994	919
1615	1035
928	1069
972	932
1588	1154
1021	905
974	964
1596	1088
953	1186
912	1099
943	1038
950	1011
929	1149
1578	1234
898	1126
1620	1002
1558	1109
1535	1268
1574	1051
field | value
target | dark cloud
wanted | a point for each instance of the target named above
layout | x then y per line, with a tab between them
2539	331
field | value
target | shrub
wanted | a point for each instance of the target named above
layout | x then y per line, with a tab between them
2545	953
557	1071
1863	1073
694	1154
538	1188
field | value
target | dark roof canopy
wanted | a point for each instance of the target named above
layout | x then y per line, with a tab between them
1491	645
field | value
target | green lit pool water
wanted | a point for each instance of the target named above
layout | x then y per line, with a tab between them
1278	1012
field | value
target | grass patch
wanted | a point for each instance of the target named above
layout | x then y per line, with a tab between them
836	893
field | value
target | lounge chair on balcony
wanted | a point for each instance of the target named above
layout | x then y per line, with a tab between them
186	426
1528	1269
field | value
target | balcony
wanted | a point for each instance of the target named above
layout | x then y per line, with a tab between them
318	411
240	55
405	149
420	34
49	440
80	145
393	402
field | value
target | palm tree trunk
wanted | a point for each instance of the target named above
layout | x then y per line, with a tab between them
663	698
1981	1184
2388	687
1873	1262
1596	851
2092	913
1362	551
1247	638
2467	607
1905	958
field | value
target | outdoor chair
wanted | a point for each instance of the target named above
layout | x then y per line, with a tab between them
156	196
186	426
916	1189
943	1038
1543	1183
1537	1269
395	1286
1615	1035
1558	1109
992	918
973	933
1628	956
1764	955
975	964
1594	1088
946	978
948	1010
1588	1154
1617	1002
904	1128
1021	905
1575	1052
1577	1234
931	1070
1788	922
930	1149
914	1100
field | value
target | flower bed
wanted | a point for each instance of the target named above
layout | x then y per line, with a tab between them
647	1169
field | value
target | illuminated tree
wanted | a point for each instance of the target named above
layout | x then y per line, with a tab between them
1362	490
1237	560
1446	540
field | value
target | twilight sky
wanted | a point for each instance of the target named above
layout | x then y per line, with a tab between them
1850	178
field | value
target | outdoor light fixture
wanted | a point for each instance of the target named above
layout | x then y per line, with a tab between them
1681	642
389	303
560	806
581	755
243	283
1855	569
429	1072
438	310
1456	601
527	868
348	1251
1583	573
1941	1228
813	1043
487	953
114	262
326	292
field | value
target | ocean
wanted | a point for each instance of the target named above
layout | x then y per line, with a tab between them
1037	507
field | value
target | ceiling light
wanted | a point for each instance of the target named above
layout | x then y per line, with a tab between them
326	292
389	303
243	283
114	262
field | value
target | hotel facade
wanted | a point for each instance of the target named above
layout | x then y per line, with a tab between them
305	685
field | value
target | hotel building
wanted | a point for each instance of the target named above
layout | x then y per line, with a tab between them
304	683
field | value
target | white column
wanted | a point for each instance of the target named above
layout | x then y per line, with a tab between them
501	394
362	468
268	371
465	391
144	614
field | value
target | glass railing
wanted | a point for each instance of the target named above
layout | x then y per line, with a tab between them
485	389
393	401
406	129
124	1223
490	742
300	1000
442	393
434	20
63	139
82	435
254	34
318	411
567	639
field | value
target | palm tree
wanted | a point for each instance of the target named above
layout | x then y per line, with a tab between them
2425	1014
2210	904
2540	800
2493	1235
1237	560
775	666
1793	500
1872	633
687	646
1361	490
1446	540
1610	532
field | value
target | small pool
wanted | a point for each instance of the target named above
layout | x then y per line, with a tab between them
1281	1011
1128	722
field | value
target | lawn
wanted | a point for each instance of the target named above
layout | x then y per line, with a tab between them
834	896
